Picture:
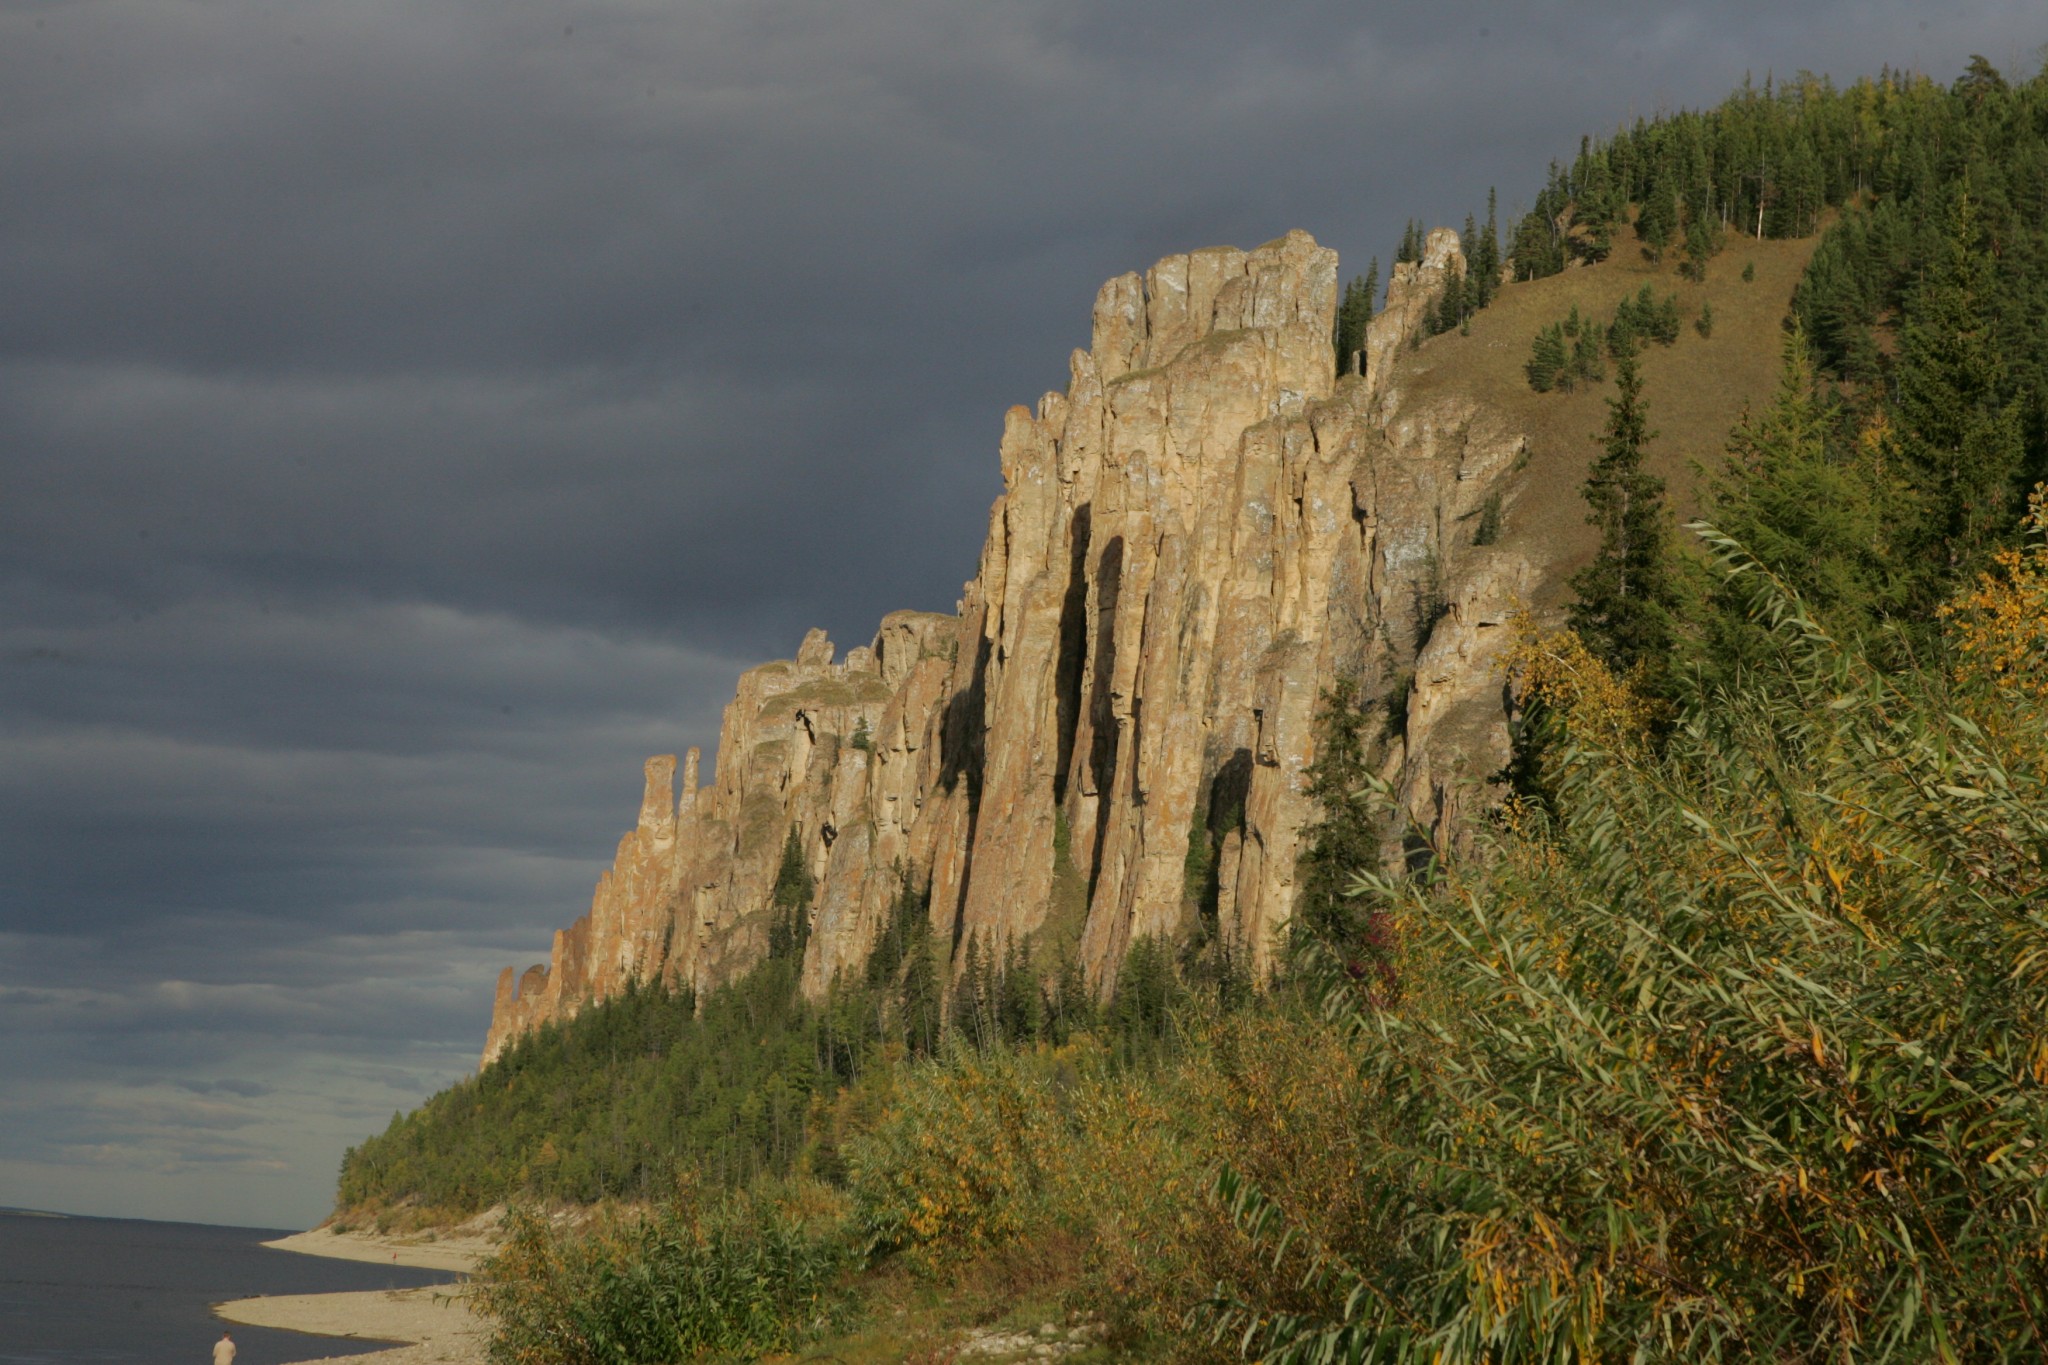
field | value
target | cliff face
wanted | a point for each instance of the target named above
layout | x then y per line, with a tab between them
1195	538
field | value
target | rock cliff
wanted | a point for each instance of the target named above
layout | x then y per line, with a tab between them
1194	539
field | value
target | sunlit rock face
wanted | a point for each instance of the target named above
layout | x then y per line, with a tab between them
1194	540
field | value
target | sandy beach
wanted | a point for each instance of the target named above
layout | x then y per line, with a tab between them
432	1326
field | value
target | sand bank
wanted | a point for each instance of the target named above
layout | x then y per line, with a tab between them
433	1324
459	1251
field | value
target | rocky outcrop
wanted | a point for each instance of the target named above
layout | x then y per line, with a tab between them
1412	292
1194	539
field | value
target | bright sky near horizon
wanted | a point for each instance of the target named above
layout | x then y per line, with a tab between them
411	416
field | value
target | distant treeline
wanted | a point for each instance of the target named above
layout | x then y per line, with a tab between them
735	1085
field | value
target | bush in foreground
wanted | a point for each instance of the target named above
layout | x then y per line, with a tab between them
747	1275
1737	1054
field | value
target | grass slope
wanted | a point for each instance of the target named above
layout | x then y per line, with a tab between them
1696	389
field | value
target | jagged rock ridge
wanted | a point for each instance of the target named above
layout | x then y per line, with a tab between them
1193	540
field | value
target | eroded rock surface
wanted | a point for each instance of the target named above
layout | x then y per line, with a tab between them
1194	539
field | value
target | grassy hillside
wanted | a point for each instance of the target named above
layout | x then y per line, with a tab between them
1696	387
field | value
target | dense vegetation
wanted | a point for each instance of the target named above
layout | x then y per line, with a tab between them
1727	1042
653	1086
1736	1053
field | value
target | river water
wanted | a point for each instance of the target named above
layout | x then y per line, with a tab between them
111	1291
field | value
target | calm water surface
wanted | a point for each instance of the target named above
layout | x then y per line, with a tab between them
108	1290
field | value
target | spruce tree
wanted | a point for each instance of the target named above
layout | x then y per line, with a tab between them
1812	510
1486	255
973	1016
1656	221
1412	243
1020	1005
1354	313
1586	362
1345	835
1625	596
1449	312
1702	240
789	920
1961	442
1547	359
1474	284
920	998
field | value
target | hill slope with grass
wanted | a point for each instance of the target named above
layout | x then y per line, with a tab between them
1696	388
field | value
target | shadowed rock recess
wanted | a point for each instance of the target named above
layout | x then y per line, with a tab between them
1193	541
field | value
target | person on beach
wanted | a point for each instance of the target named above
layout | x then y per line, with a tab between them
224	1350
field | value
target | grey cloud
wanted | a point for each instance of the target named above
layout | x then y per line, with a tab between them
248	1090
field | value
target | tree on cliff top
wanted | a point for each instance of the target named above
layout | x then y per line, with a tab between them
1353	315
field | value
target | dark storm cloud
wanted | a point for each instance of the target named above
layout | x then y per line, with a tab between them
412	416
248	1090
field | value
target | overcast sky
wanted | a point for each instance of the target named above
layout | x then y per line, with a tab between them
414	414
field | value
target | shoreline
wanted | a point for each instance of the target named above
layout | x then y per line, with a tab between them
426	1326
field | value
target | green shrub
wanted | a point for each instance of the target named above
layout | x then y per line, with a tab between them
1487	530
748	1275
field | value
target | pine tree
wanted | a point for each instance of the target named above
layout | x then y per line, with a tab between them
1354	314
1656	221
1702	240
1814	515
1547	359
1412	243
1345	835
1625	596
1486	255
1961	442
789	921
